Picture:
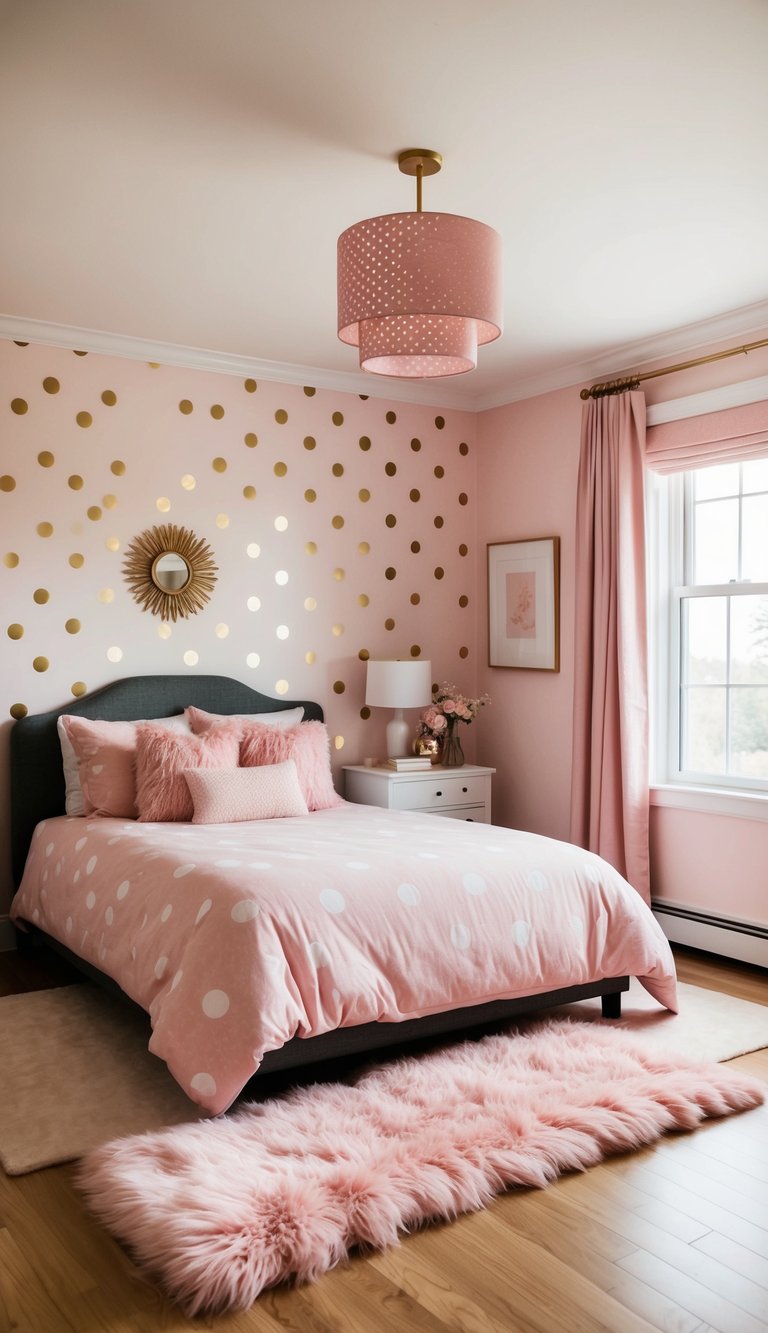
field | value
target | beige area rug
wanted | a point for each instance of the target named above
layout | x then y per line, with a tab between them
76	1071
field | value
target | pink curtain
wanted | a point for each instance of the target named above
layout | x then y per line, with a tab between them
609	793
732	435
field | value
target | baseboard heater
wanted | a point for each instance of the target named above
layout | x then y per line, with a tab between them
723	935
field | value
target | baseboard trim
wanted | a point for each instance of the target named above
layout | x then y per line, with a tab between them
744	940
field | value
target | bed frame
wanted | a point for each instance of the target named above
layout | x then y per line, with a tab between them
37	792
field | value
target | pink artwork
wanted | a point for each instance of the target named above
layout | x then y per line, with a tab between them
521	605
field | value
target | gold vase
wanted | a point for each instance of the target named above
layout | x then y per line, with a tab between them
427	747
452	753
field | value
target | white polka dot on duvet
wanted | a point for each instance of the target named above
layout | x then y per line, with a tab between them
409	894
474	883
521	933
460	936
245	910
333	901
319	954
215	1003
181	871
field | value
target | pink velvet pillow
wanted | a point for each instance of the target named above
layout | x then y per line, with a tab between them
307	745
106	752
271	792
162	758
200	721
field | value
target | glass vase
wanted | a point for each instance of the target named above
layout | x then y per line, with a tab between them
452	755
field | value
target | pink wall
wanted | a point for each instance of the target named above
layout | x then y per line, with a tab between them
527	471
244	457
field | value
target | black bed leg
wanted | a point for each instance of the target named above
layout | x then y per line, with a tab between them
611	1004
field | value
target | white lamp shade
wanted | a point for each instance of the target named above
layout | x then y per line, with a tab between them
405	684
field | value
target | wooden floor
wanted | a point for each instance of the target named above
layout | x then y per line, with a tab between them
674	1237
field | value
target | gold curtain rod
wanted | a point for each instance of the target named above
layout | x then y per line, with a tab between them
633	381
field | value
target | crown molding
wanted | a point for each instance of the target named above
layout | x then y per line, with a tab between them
430	393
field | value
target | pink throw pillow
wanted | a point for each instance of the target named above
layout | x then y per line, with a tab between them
162	758
200	721
106	753
307	745
271	792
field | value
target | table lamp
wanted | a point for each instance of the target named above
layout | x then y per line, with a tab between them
398	685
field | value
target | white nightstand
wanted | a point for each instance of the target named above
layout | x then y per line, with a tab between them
458	793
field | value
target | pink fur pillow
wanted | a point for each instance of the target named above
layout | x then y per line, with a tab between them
99	763
200	721
162	758
271	792
307	745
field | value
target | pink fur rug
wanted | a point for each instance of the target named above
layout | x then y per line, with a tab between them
220	1209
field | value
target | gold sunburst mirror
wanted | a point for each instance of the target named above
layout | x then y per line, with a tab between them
170	571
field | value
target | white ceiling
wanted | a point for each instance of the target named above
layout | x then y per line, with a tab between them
178	170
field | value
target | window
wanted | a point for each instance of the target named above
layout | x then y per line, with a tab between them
709	593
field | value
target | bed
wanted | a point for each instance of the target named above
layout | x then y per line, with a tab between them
268	944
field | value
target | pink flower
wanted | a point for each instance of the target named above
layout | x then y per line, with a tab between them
449	706
439	723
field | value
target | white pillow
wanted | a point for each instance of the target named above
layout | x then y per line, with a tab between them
200	721
230	796
74	801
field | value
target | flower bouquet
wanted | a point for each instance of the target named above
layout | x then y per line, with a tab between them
449	706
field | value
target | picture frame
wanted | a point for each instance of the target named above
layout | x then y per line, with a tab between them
524	604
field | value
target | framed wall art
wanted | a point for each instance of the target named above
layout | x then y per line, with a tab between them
524	604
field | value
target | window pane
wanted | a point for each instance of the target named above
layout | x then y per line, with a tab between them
703	729
704	657
749	640
712	482
754	538
755	475
716	545
749	732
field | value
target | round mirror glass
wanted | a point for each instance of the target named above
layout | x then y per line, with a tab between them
170	571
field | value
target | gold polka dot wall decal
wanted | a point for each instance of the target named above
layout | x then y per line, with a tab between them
106	595
75	482
365	713
281	687
363	548
112	543
72	626
463	549
163	504
281	577
252	660
11	560
41	596
114	654
338	742
364	443
19	406
391	418
251	440
281	416
154	365
463	652
415	547
391	521
44	529
253	603
109	501
283	632
310	658
51	384
439	422
191	658
222	520
438	520
94	513
463	449
339	687
109	398
164	631
185	407
389	623
415	650
390	469
363	654
76	560
249	492
16	343
415	598
221	631
310	496
217	411
40	663
463	498
280	469
281	523
338	470
18	710
337	521
439	572
338	418
219	464
364	495
310	604
78	688
117	466
310	548
439	471
337	631
250	386
84	419
76	353
188	481
338	574
310	442
415	445
463	600
15	631
309	391
7	483
46	458
415	495
363	599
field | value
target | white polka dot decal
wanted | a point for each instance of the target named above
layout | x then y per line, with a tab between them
215	1003
409	894
460	936
333	901
245	910
205	1084
474	883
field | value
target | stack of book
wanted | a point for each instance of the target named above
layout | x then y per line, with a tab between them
415	763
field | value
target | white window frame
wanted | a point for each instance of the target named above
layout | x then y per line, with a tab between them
667	552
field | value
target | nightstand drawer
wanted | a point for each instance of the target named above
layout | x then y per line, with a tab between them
471	814
431	794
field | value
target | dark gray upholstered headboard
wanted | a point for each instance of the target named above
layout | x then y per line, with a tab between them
37	775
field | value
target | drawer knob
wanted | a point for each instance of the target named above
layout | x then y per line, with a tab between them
465	789
438	793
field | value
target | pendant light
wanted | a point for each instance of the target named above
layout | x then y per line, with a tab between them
418	292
